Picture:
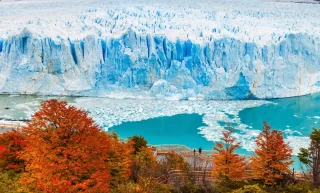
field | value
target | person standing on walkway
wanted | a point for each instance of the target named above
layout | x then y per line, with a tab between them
200	150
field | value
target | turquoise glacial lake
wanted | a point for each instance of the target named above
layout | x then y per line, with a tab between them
185	122
177	129
294	116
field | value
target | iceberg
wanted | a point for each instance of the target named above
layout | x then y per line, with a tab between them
169	50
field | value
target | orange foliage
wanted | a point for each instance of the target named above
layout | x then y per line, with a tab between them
65	151
273	156
227	165
11	144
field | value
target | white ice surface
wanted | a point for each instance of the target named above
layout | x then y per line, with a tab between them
246	20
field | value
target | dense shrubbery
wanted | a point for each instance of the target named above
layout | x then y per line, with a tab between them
62	150
250	189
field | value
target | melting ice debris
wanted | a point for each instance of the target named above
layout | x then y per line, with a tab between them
291	132
213	111
110	112
296	142
137	49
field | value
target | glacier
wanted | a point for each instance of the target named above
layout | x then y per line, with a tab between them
166	50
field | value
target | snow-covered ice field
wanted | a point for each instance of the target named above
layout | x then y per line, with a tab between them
258	21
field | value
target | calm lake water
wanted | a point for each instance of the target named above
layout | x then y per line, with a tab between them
294	116
177	129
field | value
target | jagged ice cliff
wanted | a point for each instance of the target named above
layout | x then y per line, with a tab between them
179	49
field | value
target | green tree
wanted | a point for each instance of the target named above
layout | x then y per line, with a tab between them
310	158
9	182
173	161
139	142
144	164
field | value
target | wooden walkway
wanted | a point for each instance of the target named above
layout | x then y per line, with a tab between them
201	164
184	151
6	126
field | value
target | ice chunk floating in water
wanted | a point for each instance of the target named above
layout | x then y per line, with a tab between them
177	50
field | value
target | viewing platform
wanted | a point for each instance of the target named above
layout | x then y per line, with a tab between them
201	163
6	126
205	157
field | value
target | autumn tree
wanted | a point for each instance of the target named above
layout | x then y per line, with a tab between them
227	165
11	167
273	156
11	143
311	158
65	151
147	174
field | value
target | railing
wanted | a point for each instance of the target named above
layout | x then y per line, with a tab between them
169	147
179	148
205	175
184	151
10	125
199	177
201	163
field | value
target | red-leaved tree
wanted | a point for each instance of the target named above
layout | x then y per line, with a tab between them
65	151
273	156
227	165
11	143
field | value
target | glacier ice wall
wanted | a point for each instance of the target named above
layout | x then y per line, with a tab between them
223	68
141	63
